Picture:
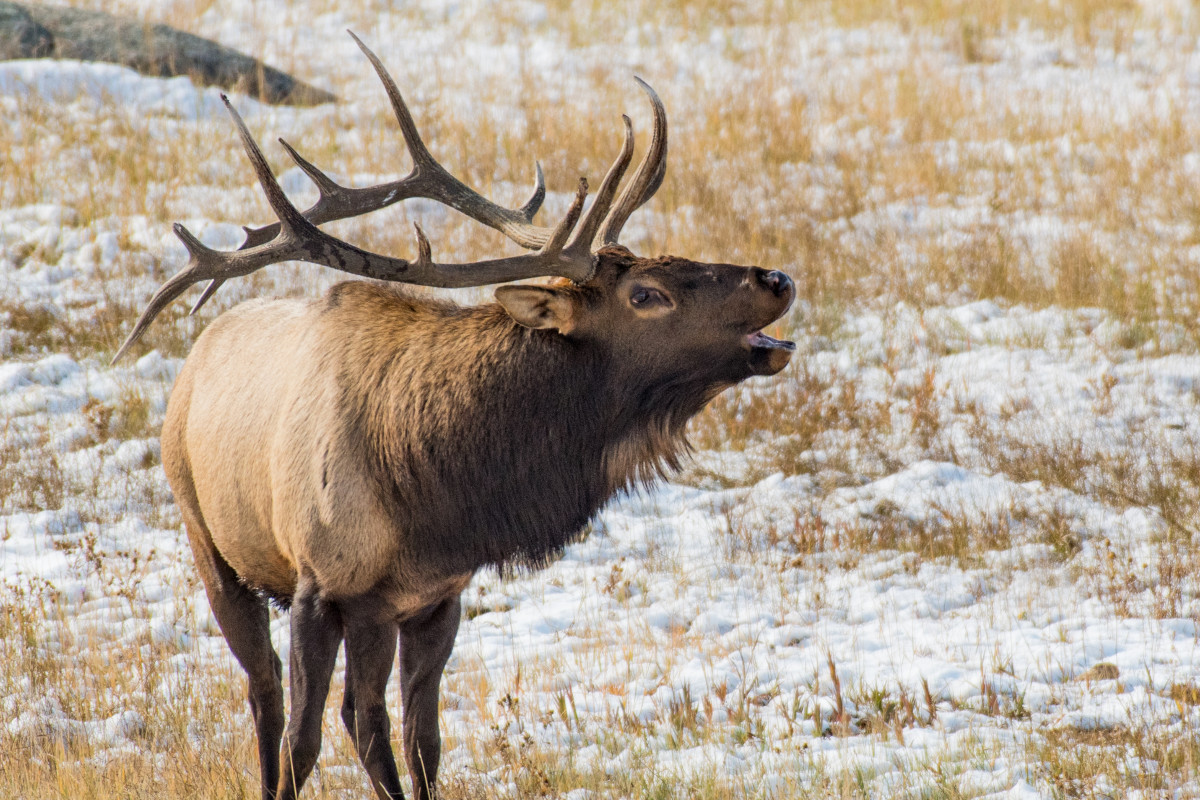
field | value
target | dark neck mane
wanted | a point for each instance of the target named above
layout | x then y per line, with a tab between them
502	453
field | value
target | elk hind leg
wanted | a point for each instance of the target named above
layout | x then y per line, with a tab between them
244	619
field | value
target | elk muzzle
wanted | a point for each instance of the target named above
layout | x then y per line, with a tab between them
769	355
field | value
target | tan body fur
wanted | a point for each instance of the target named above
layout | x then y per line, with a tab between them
281	485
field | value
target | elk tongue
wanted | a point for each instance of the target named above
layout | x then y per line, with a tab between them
760	339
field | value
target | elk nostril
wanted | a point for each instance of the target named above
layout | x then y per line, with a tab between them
776	281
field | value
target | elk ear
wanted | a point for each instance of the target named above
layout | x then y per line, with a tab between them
538	307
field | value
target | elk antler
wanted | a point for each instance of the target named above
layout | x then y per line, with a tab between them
297	237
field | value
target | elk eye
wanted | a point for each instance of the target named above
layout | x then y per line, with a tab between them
643	296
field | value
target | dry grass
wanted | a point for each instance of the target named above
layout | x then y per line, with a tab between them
909	179
31	477
1084	763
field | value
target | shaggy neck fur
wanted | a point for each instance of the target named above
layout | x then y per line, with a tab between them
502	453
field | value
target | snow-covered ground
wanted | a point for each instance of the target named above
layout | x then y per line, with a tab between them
915	599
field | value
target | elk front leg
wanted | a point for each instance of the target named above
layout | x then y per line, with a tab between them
370	649
425	645
316	634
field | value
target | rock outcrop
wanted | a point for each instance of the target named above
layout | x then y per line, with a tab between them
33	31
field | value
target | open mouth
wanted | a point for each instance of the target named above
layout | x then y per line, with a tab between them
768	355
759	340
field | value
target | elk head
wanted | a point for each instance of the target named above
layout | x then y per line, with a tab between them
666	315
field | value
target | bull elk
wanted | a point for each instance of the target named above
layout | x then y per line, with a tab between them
359	457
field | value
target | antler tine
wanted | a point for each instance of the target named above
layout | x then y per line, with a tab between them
408	128
326	185
516	225
539	193
646	180
290	218
558	237
658	143
581	243
299	239
209	291
177	285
